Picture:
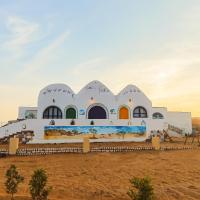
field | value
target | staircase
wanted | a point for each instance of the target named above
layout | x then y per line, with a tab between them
24	137
174	131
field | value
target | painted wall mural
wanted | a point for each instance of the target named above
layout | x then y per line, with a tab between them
93	132
31	114
81	112
113	111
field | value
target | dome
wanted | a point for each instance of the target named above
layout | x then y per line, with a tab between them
132	91
129	89
95	87
56	89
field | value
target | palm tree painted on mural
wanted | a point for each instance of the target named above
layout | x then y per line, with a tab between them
121	133
75	132
93	131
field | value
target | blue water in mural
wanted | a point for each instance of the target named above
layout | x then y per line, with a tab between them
99	129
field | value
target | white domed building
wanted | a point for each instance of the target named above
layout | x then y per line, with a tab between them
63	116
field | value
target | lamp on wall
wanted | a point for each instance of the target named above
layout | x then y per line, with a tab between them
52	122
130	102
23	126
54	100
143	123
92	100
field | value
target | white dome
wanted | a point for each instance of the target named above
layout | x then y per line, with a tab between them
134	93
129	89
95	87
57	89
58	95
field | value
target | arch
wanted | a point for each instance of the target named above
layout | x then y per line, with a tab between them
140	112
97	111
71	113
52	112
123	112
157	115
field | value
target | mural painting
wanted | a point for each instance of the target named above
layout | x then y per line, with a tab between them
93	132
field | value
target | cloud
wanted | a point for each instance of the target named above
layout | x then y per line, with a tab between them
19	46
20	34
44	55
21	30
88	65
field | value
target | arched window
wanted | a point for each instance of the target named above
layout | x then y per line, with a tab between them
140	112
123	113
52	112
158	115
71	113
97	112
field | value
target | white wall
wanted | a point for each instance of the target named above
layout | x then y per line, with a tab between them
182	120
159	124
37	125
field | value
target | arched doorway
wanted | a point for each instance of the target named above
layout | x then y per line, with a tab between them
97	112
52	112
70	113
123	113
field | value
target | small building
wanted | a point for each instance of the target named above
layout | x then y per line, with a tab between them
63	116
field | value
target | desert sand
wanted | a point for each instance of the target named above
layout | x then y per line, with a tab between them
196	121
96	176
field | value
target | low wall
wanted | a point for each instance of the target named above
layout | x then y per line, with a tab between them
48	151
93	132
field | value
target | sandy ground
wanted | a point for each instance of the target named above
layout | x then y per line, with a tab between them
196	121
96	176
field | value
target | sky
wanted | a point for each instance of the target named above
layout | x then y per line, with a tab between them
154	45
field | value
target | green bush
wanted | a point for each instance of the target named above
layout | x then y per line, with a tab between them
13	179
37	185
142	189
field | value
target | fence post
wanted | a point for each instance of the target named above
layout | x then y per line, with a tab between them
86	145
13	146
156	142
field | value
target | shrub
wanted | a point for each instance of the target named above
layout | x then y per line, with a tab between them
142	189
37	185
13	180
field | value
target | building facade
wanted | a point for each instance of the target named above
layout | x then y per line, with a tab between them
62	116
